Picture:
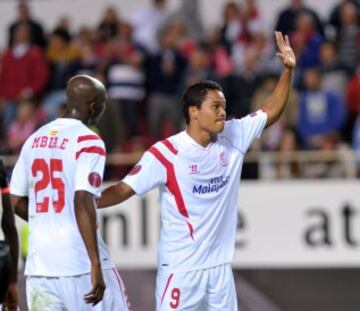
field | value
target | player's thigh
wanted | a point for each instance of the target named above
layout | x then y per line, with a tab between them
42	294
180	291
221	292
114	295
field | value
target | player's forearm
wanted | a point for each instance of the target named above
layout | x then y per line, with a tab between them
276	103
86	220
11	235
115	194
20	205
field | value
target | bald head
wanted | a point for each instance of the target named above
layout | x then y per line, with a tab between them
87	96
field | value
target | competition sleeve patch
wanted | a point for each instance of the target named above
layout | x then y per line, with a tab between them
136	169
94	179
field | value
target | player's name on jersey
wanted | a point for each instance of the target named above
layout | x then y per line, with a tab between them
51	142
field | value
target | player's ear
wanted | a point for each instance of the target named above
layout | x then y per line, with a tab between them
193	112
92	109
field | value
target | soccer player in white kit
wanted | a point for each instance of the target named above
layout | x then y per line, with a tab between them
54	186
198	174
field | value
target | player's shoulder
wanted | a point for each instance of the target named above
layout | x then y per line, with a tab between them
171	144
86	135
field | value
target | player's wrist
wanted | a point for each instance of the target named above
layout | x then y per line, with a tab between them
96	264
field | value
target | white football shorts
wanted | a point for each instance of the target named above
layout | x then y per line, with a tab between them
67	293
200	290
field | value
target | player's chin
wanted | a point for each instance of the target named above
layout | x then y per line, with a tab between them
219	126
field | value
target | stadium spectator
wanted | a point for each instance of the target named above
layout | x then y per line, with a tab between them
356	143
147	22
23	73
64	23
272	137
286	22
352	100
37	36
125	76
198	68
61	53
109	24
285	167
164	71
231	28
306	41
320	112
334	76
221	62
189	14
334	19
246	82
26	122
88	61
348	37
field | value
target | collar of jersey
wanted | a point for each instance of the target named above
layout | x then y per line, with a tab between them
67	120
194	143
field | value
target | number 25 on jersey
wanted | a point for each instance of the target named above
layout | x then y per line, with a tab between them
47	170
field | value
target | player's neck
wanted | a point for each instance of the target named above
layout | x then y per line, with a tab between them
202	137
73	114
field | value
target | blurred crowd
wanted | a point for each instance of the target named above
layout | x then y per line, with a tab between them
148	60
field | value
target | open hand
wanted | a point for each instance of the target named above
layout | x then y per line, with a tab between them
96	294
285	53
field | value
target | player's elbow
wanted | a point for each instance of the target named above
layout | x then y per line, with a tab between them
83	199
273	115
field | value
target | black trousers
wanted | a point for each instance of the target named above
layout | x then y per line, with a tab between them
5	268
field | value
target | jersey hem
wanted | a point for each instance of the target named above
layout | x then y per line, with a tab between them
209	266
60	275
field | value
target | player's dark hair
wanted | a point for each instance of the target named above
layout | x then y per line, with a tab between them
195	95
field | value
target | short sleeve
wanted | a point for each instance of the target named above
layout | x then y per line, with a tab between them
147	174
19	178
242	132
90	163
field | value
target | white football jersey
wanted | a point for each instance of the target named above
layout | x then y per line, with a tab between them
60	158
199	190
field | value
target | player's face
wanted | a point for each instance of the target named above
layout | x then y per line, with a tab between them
211	115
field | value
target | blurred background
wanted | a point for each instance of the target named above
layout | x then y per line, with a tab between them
299	227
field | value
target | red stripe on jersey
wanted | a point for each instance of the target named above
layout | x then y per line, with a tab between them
5	190
171	182
119	282
166	287
94	149
191	229
170	146
87	137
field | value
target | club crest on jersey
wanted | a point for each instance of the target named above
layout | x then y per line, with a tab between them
94	179
193	169
136	169
223	158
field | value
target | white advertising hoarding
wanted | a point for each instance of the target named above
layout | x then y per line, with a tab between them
281	225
